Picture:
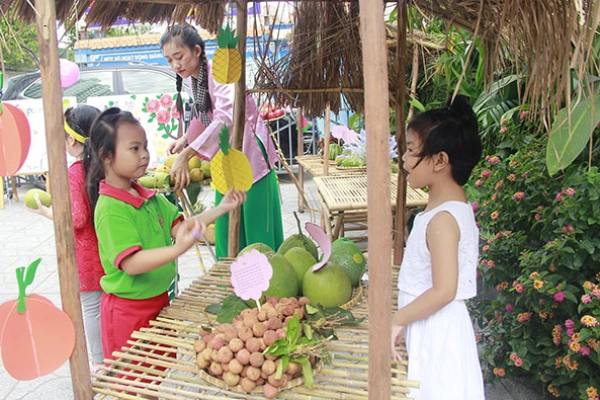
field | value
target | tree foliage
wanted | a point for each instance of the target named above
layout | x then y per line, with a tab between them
19	45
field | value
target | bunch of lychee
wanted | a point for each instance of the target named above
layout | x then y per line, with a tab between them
234	352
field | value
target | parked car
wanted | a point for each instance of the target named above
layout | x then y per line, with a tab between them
100	81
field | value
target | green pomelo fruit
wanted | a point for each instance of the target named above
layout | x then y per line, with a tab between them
299	240
328	286
301	261
45	198
346	254
283	283
205	167
263	248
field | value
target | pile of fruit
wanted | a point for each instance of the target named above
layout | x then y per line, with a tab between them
237	352
264	348
160	178
269	112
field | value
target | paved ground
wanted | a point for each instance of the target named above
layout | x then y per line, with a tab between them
25	236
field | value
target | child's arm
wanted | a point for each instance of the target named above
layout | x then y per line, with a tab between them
232	200
443	235
188	233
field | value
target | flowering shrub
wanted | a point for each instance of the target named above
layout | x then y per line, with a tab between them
540	264
162	108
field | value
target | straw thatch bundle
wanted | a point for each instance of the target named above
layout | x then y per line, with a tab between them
543	38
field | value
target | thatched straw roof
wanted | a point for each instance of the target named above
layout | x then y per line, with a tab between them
543	37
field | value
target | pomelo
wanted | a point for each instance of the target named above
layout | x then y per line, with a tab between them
263	248
329	286
44	196
301	261
283	283
346	254
299	240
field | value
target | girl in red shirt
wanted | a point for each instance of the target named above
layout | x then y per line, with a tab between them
78	122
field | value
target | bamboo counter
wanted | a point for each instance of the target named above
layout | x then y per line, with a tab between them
169	343
315	165
344	199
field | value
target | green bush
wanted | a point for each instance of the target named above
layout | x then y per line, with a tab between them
539	264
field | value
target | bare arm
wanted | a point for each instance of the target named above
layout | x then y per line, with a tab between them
443	235
442	239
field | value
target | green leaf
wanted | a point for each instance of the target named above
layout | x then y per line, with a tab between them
293	330
213	308
230	307
165	136
571	132
307	372
30	271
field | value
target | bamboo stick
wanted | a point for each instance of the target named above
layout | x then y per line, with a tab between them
63	221
327	129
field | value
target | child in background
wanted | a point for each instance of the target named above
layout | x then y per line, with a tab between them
78	122
438	272
135	228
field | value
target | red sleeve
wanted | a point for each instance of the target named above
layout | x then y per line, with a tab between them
80	205
178	220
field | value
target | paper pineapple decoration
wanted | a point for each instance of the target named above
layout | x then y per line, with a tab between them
230	168
36	337
227	61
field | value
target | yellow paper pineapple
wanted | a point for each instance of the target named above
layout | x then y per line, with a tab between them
227	62
230	168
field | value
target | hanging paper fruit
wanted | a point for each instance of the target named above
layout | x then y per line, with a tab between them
227	62
229	168
36	337
15	138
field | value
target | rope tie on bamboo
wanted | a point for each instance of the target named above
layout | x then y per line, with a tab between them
74	134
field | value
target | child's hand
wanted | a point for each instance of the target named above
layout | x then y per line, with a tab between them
189	233
233	199
41	209
397	338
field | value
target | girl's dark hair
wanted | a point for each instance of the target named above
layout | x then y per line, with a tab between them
453	130
101	144
80	119
181	35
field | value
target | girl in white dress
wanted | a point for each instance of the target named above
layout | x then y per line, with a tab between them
438	272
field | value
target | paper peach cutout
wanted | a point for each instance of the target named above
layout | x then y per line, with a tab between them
36	337
250	275
319	235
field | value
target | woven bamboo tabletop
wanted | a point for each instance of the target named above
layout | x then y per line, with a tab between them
313	164
176	329
349	192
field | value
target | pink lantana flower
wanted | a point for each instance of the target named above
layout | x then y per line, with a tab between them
558	296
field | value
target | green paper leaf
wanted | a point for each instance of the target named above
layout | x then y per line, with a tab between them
224	140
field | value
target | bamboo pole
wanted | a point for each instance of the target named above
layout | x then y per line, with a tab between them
327	128
379	217
300	126
61	206
239	120
400	220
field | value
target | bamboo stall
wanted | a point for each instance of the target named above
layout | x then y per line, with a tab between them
317	77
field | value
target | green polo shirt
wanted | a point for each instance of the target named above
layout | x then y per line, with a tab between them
126	223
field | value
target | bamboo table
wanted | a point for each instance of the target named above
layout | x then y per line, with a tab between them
314	165
174	375
344	199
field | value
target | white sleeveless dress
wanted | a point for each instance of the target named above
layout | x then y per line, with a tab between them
442	351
